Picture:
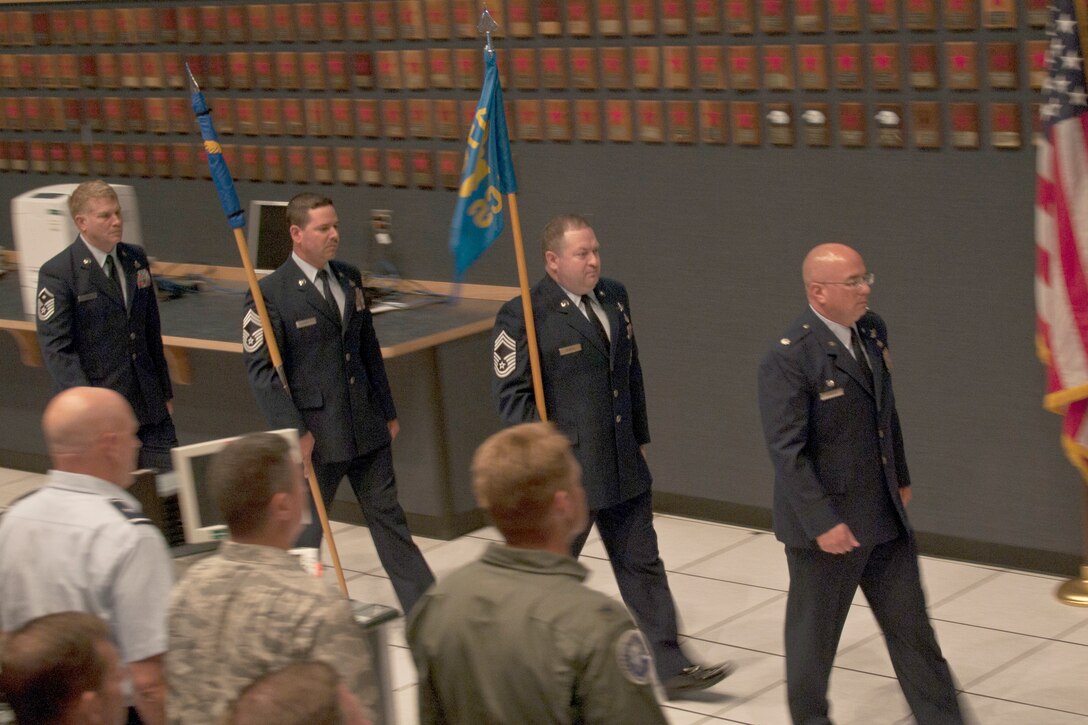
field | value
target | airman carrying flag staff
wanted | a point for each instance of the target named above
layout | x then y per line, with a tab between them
228	197
478	219
590	375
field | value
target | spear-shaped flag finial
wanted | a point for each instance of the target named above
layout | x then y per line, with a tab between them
487	25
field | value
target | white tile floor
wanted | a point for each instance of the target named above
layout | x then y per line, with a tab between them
1019	655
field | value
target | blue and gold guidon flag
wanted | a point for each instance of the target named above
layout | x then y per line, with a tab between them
224	184
487	174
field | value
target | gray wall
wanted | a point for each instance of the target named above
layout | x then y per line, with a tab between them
709	242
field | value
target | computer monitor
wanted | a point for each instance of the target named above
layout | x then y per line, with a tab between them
200	516
267	235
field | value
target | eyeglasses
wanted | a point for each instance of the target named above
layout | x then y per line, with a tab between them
854	282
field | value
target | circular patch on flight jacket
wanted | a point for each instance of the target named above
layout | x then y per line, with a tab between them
252	332
504	355
47	304
634	658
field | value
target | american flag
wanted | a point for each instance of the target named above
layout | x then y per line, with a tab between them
1061	233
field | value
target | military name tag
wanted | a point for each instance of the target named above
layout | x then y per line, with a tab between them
87	297
569	349
832	394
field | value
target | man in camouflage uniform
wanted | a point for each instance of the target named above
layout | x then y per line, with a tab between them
516	637
251	608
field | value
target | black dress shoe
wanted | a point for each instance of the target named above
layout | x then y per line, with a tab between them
696	677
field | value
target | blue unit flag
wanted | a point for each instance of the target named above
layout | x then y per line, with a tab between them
487	174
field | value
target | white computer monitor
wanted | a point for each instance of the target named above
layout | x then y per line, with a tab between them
268	235
200	516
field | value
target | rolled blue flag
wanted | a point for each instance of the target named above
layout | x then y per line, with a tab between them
224	184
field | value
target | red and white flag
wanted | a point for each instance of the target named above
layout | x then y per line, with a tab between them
1061	234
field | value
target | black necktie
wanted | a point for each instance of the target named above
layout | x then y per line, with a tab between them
859	354
111	272
329	299
595	320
